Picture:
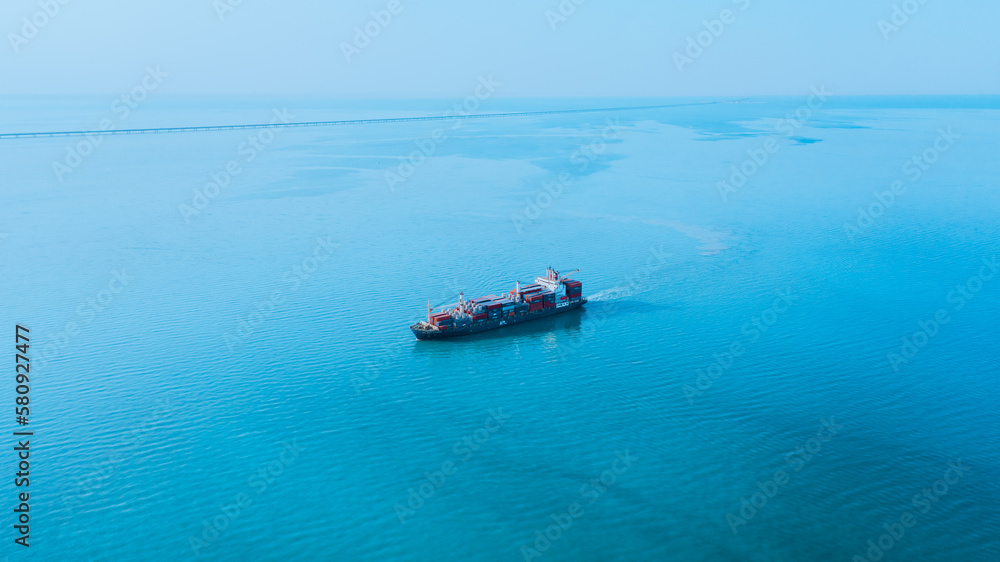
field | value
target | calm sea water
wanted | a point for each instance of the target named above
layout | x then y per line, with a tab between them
235	379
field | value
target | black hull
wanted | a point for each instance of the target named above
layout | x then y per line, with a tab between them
492	324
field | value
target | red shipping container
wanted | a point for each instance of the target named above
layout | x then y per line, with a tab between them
478	317
534	306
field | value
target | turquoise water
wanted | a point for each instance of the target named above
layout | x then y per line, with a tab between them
239	382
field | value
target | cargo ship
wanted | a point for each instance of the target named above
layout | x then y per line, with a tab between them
548	295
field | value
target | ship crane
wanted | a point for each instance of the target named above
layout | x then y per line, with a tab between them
561	277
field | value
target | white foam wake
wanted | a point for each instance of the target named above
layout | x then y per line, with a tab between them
612	294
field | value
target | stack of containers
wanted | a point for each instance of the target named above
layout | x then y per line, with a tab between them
507	307
529	290
574	289
535	302
493	310
548	299
442	320
478	307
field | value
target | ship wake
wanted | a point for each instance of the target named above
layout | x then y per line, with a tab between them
614	293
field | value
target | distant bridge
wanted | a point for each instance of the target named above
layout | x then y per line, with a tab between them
328	123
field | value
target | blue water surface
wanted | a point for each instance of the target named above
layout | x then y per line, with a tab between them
791	341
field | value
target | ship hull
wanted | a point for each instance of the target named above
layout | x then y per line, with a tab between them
424	334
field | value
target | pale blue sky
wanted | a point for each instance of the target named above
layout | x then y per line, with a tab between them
440	48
